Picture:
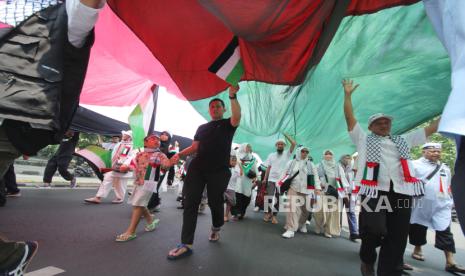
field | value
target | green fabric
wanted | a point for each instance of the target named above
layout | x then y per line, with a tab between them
395	56
136	122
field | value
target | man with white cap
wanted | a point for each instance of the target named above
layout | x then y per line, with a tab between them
387	184
434	209
275	163
121	158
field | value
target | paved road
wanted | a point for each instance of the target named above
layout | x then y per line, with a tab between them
78	239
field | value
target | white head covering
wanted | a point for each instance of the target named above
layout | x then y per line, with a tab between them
432	146
280	140
242	152
377	116
127	132
328	165
298	155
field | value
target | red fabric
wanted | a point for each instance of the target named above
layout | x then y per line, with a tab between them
277	38
358	7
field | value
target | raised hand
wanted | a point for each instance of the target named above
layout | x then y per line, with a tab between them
233	90
349	87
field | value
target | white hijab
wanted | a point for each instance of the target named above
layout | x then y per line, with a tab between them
243	154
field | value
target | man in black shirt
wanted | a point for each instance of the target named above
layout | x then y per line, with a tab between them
210	167
61	159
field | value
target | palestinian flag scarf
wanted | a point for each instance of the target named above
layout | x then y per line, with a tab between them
369	182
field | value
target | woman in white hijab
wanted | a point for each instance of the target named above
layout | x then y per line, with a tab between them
244	186
327	215
303	187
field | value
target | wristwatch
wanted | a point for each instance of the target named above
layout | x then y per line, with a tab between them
233	97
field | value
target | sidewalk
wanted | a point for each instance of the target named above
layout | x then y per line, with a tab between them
25	180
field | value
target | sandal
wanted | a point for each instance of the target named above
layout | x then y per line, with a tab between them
117	201
184	254
125	237
214	236
151	227
418	257
92	200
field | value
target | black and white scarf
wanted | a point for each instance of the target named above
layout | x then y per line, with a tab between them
369	182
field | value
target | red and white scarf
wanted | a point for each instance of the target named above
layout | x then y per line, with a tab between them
369	182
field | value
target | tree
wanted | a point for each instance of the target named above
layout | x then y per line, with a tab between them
449	151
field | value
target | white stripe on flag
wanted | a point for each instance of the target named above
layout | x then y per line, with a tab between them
370	172
227	68
46	271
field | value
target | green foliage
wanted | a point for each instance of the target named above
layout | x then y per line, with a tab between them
87	139
449	151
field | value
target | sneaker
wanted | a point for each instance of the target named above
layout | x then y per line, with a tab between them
30	249
303	229
72	184
45	186
288	234
307	222
256	209
17	194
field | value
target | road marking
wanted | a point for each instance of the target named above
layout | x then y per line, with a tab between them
46	271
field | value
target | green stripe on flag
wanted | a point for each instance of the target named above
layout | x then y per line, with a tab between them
235	76
136	122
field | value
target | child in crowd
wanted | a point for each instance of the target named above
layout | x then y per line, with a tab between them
145	165
230	193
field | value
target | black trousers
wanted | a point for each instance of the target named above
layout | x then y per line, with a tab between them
387	228
444	240
194	184
59	163
155	199
242	202
10	180
458	189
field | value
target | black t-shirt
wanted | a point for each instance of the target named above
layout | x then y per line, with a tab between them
215	140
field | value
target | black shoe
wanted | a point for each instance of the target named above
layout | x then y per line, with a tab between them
455	269
367	269
354	237
30	249
179	198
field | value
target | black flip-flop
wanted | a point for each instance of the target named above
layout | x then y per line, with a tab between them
186	253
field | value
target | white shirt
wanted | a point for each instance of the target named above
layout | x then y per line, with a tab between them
299	183
433	210
448	20
81	20
389	168
244	184
278	164
108	145
235	177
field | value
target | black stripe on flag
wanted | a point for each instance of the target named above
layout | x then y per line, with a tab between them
224	56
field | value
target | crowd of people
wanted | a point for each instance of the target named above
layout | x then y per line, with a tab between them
399	198
415	193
